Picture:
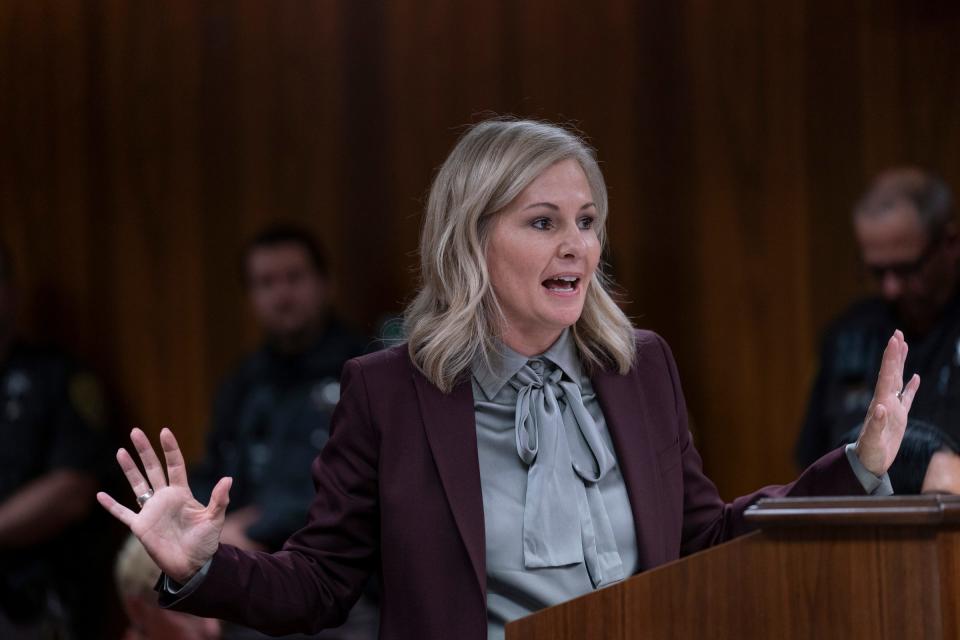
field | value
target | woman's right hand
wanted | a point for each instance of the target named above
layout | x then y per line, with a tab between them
179	533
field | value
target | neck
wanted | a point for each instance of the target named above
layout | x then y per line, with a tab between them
294	342
530	344
919	324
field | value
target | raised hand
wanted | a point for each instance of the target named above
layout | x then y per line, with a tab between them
886	418
179	533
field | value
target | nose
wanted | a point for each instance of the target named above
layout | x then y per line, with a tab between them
891	286
572	244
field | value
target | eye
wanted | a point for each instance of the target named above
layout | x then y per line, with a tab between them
542	224
586	222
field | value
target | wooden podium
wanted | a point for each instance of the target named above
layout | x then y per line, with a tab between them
818	568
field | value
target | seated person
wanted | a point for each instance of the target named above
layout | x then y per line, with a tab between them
928	460
54	456
136	574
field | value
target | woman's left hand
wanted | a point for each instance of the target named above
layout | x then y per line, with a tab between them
886	418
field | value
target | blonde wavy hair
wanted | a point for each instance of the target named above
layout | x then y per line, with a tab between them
455	316
135	572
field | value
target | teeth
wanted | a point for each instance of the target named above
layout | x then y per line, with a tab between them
562	283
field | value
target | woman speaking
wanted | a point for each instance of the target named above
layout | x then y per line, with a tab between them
525	446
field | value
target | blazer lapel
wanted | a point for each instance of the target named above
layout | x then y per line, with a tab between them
452	433
624	407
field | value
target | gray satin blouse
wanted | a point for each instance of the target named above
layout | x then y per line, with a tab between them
557	518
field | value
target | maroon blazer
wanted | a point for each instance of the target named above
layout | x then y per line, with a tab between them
398	493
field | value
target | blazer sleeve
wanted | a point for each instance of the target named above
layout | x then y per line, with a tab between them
315	579
707	520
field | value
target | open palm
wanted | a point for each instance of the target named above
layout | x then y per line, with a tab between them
887	414
178	532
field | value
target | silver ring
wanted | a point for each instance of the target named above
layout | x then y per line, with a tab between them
142	499
900	395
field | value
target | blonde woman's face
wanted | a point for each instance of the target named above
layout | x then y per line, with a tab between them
541	255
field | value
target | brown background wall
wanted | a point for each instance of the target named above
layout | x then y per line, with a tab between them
142	142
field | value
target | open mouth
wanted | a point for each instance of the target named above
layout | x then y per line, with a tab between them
562	284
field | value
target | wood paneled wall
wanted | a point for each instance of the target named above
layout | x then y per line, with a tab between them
141	143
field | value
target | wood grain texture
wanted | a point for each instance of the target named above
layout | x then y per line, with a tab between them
142	143
888	580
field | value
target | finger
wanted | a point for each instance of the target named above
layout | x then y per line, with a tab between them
151	464
877	421
910	391
176	469
116	509
901	349
901	356
889	379
137	482
220	497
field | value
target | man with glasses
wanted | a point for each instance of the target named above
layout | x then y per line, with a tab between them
907	233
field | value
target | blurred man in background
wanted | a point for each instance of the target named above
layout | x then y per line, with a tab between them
271	415
53	456
906	228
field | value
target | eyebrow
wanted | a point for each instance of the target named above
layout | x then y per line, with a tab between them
550	205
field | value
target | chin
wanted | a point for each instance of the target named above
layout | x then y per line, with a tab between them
562	321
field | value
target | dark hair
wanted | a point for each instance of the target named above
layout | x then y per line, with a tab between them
284	234
925	191
920	441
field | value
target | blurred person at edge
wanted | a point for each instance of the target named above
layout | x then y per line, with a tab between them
271	414
928	460
906	227
135	575
55	454
525	446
